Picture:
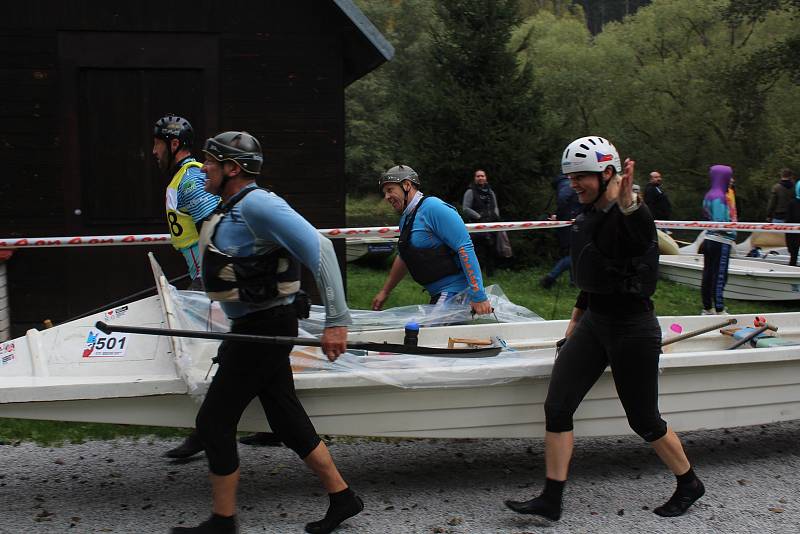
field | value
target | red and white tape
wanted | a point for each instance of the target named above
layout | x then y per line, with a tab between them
387	232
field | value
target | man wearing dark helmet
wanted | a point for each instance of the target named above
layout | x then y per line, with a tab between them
252	247
434	245
187	203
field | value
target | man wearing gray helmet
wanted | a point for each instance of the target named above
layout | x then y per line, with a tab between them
434	244
251	250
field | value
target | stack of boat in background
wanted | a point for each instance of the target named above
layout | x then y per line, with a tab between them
764	276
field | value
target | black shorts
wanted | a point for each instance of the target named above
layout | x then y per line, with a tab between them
631	345
246	371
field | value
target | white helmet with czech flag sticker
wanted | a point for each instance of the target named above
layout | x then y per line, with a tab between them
590	154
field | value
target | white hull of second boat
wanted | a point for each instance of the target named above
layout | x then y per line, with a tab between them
747	279
769	254
359	247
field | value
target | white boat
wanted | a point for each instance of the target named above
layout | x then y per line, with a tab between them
71	372
376	248
759	246
747	279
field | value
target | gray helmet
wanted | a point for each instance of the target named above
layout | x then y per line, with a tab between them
238	147
398	174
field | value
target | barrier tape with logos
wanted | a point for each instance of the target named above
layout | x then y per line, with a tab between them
386	232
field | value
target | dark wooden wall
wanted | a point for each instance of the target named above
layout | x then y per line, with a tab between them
81	84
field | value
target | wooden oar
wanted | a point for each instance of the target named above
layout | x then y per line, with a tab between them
699	331
751	335
522	345
308	342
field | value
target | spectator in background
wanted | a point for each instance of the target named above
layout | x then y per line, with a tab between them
480	206
730	197
567	208
656	199
780	196
717	243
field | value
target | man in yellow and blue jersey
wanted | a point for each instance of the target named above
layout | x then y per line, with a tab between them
187	203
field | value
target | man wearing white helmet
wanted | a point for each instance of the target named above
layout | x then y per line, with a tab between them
434	244
614	252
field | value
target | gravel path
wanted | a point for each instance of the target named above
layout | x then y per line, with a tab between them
752	476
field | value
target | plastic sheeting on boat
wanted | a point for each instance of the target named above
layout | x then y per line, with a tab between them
194	311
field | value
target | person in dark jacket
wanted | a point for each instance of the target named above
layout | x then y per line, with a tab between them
780	196
480	206
567	208
656	199
615	263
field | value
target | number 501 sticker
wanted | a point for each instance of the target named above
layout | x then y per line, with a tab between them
100	345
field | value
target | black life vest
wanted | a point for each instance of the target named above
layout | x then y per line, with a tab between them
253	279
594	272
483	201
426	265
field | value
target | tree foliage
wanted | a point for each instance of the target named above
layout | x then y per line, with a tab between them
373	122
475	107
679	85
666	86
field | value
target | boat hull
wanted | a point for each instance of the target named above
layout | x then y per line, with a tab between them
691	398
747	280
63	374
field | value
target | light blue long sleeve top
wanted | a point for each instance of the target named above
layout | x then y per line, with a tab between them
261	222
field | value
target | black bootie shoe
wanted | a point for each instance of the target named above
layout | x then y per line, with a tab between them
344	505
190	446
547	505
684	497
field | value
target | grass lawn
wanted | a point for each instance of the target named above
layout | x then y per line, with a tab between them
520	286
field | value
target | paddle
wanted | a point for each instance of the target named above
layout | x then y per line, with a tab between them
687	335
305	341
699	331
751	335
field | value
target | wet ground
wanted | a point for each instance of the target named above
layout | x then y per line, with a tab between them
752	476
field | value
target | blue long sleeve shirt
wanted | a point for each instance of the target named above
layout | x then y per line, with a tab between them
261	222
438	223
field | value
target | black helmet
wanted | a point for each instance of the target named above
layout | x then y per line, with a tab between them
171	127
398	175
239	147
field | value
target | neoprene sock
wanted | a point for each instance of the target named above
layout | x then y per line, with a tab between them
688	491
216	524
547	505
344	504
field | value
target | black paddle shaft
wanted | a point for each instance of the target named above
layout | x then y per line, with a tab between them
304	341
